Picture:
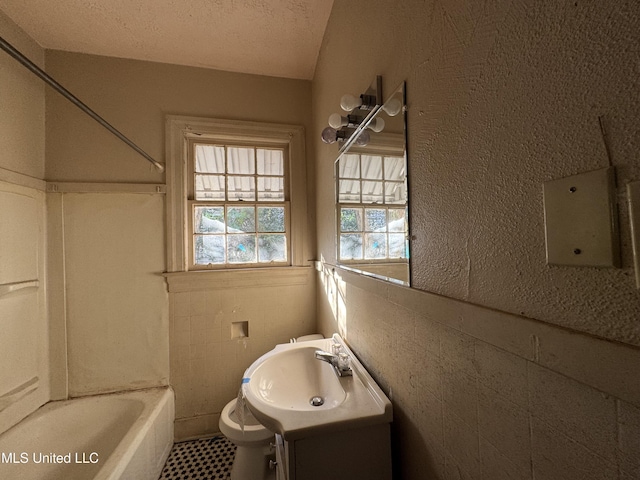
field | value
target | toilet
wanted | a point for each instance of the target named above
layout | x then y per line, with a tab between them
253	449
252	445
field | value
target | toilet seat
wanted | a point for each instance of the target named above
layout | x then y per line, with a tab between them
254	431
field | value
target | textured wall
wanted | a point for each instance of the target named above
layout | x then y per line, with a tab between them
484	395
502	96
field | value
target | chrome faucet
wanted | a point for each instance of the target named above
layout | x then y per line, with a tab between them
340	362
327	357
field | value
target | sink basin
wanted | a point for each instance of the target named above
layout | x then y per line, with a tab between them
295	380
296	395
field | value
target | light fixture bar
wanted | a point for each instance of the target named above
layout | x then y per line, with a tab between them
33	68
356	133
375	90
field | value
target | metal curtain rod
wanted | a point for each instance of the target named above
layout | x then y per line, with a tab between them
7	47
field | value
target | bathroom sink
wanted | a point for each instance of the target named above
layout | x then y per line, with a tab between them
294	394
294	380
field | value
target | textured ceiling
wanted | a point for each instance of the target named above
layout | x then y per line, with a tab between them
266	37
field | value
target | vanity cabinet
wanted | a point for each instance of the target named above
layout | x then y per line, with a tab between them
333	421
363	452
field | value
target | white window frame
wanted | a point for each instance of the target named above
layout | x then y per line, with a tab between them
228	203
180	132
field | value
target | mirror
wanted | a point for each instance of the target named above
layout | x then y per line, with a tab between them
372	198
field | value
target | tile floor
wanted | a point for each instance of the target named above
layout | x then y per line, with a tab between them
205	459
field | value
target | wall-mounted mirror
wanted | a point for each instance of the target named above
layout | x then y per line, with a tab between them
372	198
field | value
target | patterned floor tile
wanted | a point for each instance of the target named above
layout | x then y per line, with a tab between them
206	459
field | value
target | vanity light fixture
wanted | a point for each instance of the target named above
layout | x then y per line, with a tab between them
350	129
337	121
349	103
332	135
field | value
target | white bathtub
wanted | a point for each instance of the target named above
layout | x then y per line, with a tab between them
115	436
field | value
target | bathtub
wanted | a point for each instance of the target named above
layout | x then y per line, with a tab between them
114	436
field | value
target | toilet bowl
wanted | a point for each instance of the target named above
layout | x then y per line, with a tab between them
253	451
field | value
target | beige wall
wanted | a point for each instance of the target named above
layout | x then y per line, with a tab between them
127	316
207	357
134	96
22	99
502	97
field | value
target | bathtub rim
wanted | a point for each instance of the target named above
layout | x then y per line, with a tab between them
135	436
143	427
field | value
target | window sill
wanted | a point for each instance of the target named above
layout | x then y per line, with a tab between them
237	278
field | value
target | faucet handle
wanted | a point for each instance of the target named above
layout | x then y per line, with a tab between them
344	362
336	348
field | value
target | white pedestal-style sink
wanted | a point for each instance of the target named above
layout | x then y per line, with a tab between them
318	413
290	379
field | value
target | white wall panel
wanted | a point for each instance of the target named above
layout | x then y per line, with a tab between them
117	305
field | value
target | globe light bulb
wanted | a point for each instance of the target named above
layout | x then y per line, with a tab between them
363	139
336	120
392	107
329	135
349	102
377	125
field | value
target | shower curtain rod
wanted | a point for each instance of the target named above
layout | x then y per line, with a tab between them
7	47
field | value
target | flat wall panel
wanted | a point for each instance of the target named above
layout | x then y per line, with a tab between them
24	360
19	233
117	306
18	342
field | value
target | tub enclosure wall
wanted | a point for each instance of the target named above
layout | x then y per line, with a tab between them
93	314
24	364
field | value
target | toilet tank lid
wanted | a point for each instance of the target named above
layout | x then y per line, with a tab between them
306	338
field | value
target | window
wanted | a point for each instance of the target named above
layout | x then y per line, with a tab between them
239	205
236	194
372	204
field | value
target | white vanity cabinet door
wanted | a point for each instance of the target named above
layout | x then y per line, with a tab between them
357	453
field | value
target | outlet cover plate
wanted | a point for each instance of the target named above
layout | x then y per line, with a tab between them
581	221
